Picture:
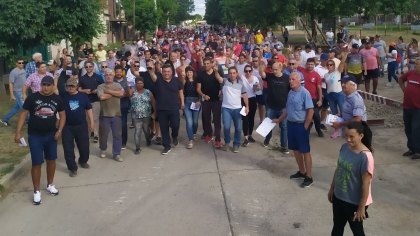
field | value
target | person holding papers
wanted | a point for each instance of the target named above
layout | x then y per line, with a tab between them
277	89
191	97
299	111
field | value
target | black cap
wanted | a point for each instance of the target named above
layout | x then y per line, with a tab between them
308	46
347	78
124	58
377	36
331	50
355	46
47	80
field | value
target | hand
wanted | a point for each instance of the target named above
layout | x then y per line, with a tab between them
246	110
331	194
336	125
289	48
57	135
197	104
154	115
12	98
136	73
319	103
92	127
360	214
275	120
215	68
365	73
306	125
206	97
17	137
23	97
182	106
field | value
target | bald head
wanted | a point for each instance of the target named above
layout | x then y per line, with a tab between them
277	70
294	80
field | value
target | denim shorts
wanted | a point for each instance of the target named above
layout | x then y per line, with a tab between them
42	146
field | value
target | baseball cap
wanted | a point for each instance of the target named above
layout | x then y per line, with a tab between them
259	31
72	82
140	54
324	56
393	44
347	78
355	46
52	62
47	80
331	50
377	36
275	37
141	48
221	48
308	46
164	54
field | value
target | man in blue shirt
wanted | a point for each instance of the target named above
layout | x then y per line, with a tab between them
292	67
299	112
76	105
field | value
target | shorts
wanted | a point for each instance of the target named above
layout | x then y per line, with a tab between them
42	145
260	99
372	74
298	137
325	99
359	77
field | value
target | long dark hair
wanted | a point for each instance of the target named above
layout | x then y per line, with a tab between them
189	68
391	48
362	127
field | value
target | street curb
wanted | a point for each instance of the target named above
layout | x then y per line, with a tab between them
18	171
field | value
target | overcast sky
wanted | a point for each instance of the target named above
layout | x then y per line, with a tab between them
200	7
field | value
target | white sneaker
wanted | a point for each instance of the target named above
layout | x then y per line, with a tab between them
37	198
52	190
396	86
388	84
103	154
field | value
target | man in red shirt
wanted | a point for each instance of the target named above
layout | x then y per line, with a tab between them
410	85
313	85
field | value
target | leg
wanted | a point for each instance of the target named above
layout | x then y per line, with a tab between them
164	125
68	147
415	130
188	120
227	121
146	130
402	62
236	117
217	118
137	131
37	155
251	115
394	69
96	108
390	69
299	161
124	114
261	112
174	120
195	115
375	84
116	135
308	164
82	142
316	117
50	152
333	103
367	85
16	108
206	118
339	217
272	115
104	128
325	105
283	130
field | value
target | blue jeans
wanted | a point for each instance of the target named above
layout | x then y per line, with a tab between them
16	108
411	119
383	65
228	115
274	114
392	68
42	145
191	117
336	100
105	125
401	65
330	42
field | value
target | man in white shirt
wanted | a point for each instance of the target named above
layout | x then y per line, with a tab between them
322	69
330	36
307	53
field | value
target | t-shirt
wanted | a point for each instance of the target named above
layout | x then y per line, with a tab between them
380	47
302	79
390	59
298	103
64	76
333	82
124	101
305	56
259	38
370	57
278	89
18	78
354	63
87	51
401	47
249	85
330	35
92	83
80	54
111	106
412	90
351	167
43	112
209	85
321	72
312	80
232	93
167	94
353	106
75	107
101	55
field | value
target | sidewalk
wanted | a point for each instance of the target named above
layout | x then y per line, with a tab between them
204	191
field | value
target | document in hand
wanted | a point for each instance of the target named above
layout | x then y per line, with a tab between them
265	127
194	107
333	118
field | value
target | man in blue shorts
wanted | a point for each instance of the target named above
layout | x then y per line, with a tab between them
43	134
299	111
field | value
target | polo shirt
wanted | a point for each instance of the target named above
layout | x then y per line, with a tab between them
167	94
353	106
92	83
298	103
232	93
312	80
412	90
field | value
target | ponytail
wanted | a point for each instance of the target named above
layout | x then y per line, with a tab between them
363	128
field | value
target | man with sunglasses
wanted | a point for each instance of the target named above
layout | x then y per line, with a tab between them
88	84
124	47
292	67
82	70
277	90
104	66
17	78
76	104
43	107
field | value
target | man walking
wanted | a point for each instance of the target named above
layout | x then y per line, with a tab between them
76	105
17	78
233	90
371	56
43	134
299	111
124	104
109	94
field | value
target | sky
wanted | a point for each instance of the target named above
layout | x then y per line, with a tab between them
200	7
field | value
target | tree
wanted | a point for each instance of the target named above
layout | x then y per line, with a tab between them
185	8
197	17
213	12
167	9
146	17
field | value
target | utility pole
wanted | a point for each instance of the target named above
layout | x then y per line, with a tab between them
156	24
134	14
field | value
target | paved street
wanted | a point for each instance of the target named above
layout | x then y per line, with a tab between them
211	192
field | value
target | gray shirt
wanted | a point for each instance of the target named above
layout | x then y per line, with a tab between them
18	78
380	47
401	47
354	106
232	93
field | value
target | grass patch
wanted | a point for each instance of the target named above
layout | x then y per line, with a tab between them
6	170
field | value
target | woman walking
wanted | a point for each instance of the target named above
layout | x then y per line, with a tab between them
191	96
401	48
392	64
350	192
252	84
412	53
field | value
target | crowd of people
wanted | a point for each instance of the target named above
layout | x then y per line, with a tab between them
227	75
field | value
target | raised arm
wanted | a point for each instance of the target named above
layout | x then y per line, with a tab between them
261	69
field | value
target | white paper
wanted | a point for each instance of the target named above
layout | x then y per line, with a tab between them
265	127
194	108
242	112
333	118
22	142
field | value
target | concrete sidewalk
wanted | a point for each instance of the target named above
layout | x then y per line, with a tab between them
204	191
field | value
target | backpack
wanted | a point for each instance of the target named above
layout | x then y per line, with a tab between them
398	58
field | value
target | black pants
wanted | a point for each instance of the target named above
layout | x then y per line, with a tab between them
168	119
124	135
70	134
209	108
286	39
316	118
411	119
343	212
248	120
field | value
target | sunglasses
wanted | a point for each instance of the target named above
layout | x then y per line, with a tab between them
248	71
330	65
20	63
47	85
299	49
291	64
104	66
88	67
136	66
275	58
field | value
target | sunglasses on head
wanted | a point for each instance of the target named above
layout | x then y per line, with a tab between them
275	58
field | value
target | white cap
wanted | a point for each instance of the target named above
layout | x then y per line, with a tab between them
176	42
259	31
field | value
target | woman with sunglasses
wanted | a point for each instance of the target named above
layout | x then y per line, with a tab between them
189	81
335	94
252	85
